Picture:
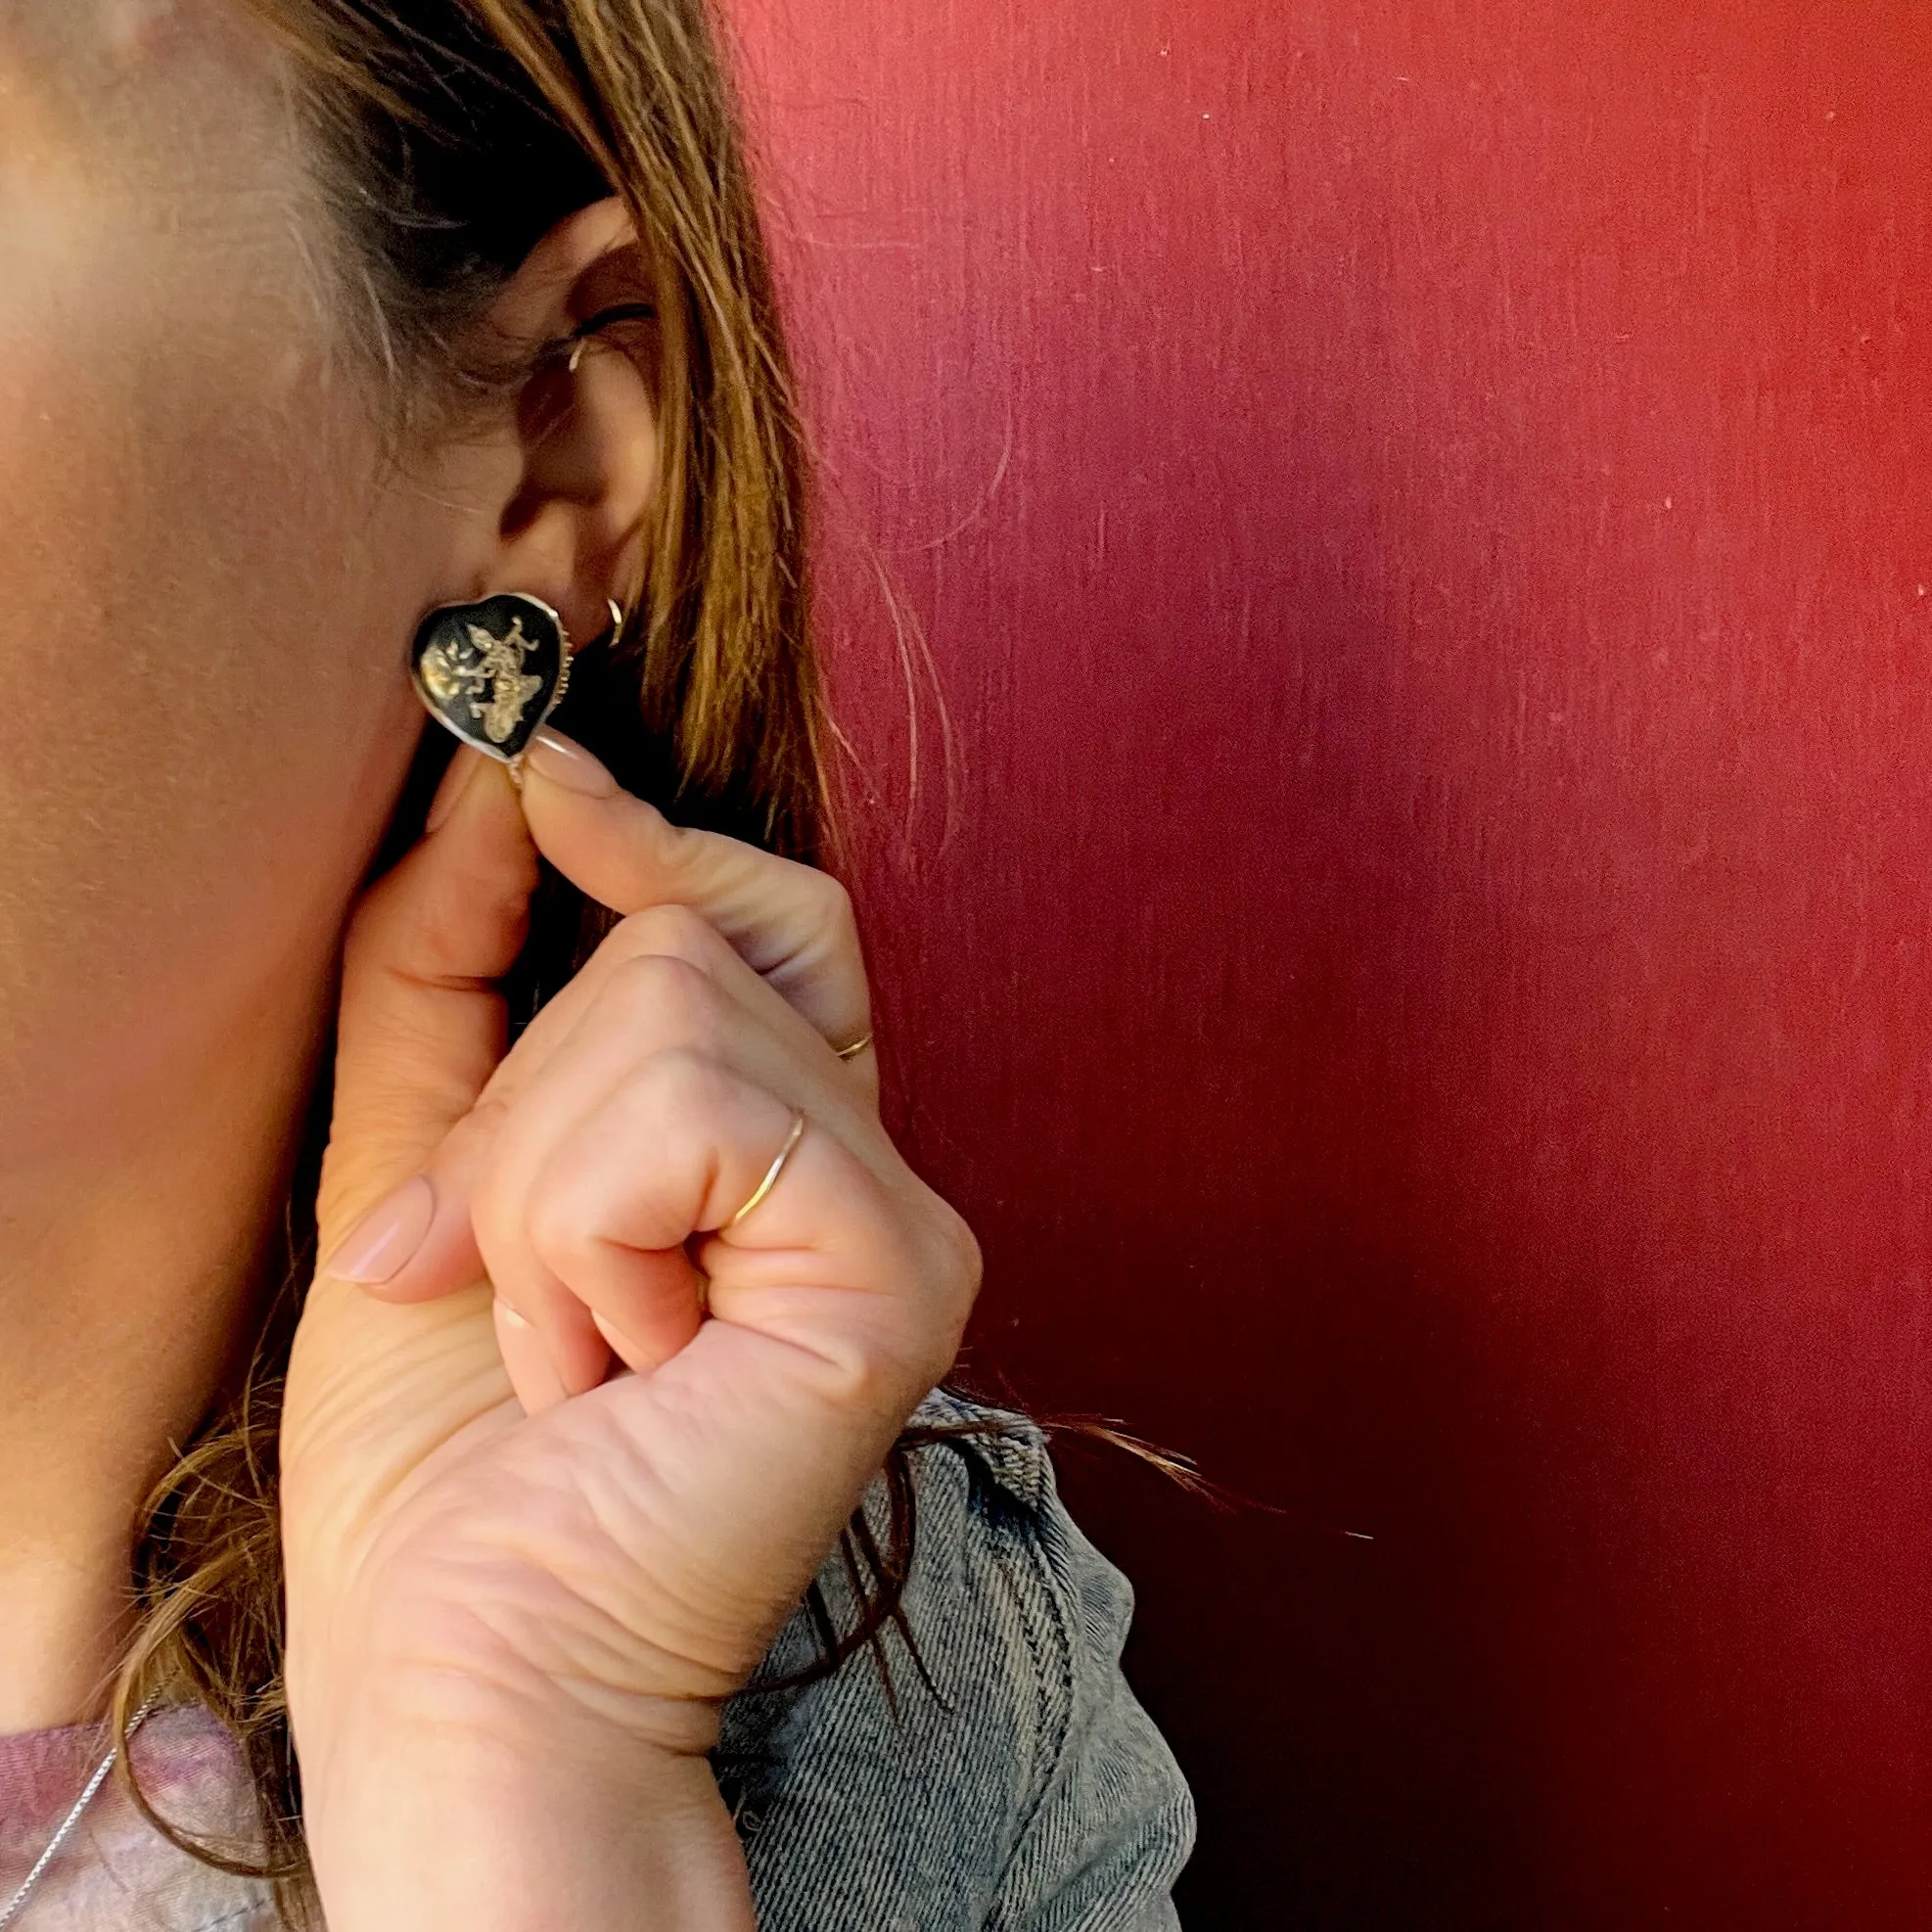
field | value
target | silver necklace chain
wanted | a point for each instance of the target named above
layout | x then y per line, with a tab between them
65	1829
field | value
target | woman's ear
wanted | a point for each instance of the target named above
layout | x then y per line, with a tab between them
573	503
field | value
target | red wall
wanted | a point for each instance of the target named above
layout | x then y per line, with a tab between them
1418	510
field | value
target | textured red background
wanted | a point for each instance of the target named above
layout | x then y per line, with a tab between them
1419	512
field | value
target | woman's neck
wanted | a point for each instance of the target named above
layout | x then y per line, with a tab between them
129	1272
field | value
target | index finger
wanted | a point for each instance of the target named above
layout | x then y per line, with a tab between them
792	924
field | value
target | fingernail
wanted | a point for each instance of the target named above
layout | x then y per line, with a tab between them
378	1246
451	789
563	761
527	1358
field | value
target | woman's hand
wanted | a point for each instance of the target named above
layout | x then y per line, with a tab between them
520	1586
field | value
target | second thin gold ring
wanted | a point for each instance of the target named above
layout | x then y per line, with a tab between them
771	1173
857	1047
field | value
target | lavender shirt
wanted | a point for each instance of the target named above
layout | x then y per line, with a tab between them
115	1871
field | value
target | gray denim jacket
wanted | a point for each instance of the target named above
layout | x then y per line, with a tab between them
1031	1794
1015	1787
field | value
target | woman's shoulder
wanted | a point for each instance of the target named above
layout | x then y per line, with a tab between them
1004	1776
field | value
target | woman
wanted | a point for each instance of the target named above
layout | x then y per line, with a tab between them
317	318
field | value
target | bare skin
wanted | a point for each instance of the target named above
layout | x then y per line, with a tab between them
193	512
164	933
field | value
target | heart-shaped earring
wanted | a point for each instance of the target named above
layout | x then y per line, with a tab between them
493	670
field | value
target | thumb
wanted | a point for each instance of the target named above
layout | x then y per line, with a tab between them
422	1025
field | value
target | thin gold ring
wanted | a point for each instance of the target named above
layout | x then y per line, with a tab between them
857	1047
771	1173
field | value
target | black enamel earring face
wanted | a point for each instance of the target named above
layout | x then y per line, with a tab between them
492	671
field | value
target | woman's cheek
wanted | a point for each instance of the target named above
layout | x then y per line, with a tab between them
203	586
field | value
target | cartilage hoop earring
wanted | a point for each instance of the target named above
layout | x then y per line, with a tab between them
622	311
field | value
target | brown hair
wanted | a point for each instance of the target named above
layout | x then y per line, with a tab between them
450	135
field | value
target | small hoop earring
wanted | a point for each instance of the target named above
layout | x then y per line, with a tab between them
622	311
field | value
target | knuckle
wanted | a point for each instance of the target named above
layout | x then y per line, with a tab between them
951	1251
956	1274
495	1188
686	1085
486	1115
493	1218
969	1263
940	1253
869	1375
557	1230
832	905
680	931
668	992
